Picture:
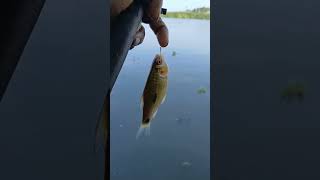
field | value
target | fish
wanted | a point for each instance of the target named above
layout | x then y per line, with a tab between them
154	93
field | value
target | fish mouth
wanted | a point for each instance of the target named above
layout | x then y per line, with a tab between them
159	57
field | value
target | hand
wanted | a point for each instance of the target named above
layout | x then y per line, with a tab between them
151	16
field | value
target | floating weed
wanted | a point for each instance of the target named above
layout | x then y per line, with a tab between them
201	90
183	120
186	164
293	91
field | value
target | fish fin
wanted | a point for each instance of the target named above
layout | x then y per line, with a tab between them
143	130
148	131
154	114
154	98
164	98
141	102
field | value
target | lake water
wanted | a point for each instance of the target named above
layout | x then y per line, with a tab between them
260	46
179	144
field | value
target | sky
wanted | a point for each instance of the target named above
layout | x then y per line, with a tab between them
181	5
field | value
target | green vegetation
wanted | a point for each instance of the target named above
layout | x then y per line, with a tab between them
294	90
198	13
202	90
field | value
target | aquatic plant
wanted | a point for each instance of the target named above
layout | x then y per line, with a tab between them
294	90
183	120
186	164
202	90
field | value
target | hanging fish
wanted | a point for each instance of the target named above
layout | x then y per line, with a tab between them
154	93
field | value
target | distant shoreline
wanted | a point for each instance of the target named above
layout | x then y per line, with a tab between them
197	13
188	15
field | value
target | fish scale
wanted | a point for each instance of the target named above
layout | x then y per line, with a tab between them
154	91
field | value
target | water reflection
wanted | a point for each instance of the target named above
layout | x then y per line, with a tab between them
179	143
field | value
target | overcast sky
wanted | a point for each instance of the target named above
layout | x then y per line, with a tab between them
181	5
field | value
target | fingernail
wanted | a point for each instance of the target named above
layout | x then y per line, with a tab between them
163	38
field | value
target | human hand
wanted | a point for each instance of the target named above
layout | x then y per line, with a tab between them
151	16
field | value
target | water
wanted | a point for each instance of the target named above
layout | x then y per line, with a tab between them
179	145
261	46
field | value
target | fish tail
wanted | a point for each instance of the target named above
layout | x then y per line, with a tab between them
143	130
148	131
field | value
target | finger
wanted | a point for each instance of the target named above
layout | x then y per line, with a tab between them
161	31
118	6
152	11
140	34
139	37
